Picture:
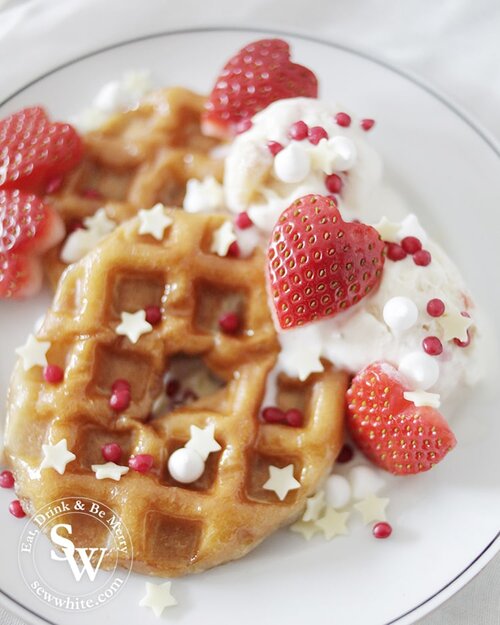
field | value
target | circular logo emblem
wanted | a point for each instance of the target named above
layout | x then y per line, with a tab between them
77	569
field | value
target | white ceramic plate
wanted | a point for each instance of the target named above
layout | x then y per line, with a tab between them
446	522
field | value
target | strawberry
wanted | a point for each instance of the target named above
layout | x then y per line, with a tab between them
320	265
390	430
28	228
34	149
260	73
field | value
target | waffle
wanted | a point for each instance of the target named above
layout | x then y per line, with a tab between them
139	157
175	528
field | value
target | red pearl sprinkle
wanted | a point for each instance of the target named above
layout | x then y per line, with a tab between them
54	184
119	400
173	387
333	183
111	452
367	124
229	323
16	509
298	131
91	194
243	221
422	258
411	245
243	126
346	454
74	224
153	314
395	252
316	133
53	374
432	346
435	307
274	147
294	417
142	463
120	385
382	530
273	414
6	479
233	250
343	119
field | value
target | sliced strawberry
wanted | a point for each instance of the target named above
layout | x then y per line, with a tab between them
390	430
20	276
260	73
320	265
34	149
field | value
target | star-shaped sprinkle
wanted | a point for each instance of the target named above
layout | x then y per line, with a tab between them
372	508
423	398
154	221
134	325
99	223
281	481
57	456
109	471
388	230
203	441
300	352
333	523
454	325
33	353
222	239
314	506
158	597
307	528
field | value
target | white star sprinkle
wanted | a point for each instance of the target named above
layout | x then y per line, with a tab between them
222	239
109	471
158	597
134	325
423	398
307	528
333	523
57	456
33	353
300	352
454	325
388	230
314	506
203	441
99	223
281	481
154	221
372	508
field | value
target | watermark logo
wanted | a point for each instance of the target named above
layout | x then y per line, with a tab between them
77	570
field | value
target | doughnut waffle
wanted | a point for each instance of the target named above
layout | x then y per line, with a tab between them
139	157
175	528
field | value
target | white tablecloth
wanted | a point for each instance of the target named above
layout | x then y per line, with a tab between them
453	44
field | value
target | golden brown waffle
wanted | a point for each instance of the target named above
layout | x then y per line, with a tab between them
138	158
176	529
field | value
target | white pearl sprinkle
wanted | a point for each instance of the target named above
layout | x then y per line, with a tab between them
400	313
292	164
421	370
337	491
186	465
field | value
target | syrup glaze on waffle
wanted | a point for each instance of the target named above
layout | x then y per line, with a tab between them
175	528
138	158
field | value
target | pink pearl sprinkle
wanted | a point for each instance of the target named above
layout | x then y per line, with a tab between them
422	258
274	147
119	400
6	479
333	183
16	509
273	414
432	346
411	245
382	530
316	133
229	323
243	221
395	252
298	131
343	119
120	385
367	124
435	307
153	315
53	374
142	463
294	417
111	452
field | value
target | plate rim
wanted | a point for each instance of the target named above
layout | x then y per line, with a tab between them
493	546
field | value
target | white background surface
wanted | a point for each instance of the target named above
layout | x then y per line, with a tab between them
453	44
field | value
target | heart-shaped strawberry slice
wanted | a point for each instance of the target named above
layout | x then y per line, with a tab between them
257	75
34	149
320	265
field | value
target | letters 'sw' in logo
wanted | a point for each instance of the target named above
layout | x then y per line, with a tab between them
69	550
